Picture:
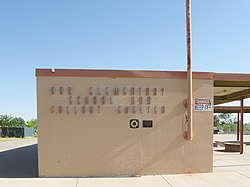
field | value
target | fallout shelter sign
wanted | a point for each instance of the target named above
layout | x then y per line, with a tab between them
123	99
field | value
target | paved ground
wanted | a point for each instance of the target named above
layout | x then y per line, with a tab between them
18	158
5	146
230	170
229	137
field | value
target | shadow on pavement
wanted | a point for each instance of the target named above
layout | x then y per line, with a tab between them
227	152
19	163
247	143
233	165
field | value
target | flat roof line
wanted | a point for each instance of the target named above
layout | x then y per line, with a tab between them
231	77
220	79
121	73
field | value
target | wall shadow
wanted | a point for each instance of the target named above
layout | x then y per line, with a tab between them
19	163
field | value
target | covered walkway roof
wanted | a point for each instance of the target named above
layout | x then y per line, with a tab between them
230	87
230	109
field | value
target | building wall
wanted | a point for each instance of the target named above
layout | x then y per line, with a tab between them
95	139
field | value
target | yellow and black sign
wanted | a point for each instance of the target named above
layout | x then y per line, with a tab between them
134	123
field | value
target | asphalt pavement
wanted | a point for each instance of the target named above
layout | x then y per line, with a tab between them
18	159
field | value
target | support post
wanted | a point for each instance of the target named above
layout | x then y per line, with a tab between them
241	124
238	126
188	135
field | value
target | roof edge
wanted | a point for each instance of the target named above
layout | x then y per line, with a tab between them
120	73
231	77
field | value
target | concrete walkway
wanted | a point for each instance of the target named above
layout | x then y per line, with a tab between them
230	170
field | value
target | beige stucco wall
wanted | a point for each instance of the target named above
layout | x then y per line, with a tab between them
103	144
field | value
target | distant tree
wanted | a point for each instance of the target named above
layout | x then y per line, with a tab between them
9	121
216	120
226	118
5	120
18	122
32	123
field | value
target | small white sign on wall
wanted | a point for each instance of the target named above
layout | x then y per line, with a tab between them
203	104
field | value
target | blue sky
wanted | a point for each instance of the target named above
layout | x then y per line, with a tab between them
114	34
